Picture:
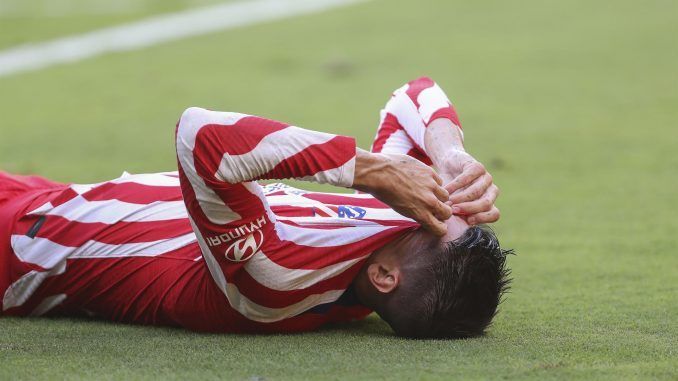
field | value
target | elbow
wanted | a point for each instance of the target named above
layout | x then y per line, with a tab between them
192	113
190	119
188	127
422	82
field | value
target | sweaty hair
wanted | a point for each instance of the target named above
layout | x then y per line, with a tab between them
456	290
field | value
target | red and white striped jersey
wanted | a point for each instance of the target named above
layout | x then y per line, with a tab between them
406	115
208	247
274	265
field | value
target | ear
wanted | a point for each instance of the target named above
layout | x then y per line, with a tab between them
384	278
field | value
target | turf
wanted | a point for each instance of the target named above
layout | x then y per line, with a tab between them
572	106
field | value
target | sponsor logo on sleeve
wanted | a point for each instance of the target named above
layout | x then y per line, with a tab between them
244	241
244	248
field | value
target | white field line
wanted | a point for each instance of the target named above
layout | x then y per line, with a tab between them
155	30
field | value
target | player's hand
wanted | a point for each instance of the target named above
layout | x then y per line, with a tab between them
407	185
472	191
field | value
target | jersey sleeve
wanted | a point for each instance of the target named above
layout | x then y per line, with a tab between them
222	154
406	115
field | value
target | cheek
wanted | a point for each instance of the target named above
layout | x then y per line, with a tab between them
456	226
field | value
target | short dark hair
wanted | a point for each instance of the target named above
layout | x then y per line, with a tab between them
457	290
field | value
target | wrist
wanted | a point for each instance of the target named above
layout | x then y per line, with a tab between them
367	167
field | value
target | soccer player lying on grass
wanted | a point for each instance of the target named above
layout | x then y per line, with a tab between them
209	249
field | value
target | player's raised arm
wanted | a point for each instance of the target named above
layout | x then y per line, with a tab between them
220	155
419	120
406	116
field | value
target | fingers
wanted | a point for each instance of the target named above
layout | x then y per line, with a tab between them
435	204
435	226
442	211
474	191
438	190
482	204
471	172
485	217
437	178
441	194
434	214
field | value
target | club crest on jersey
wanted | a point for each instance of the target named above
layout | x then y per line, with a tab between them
354	212
243	249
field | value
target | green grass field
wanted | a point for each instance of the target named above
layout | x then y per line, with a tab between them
572	105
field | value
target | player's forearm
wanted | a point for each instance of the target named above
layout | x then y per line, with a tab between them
441	137
231	148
